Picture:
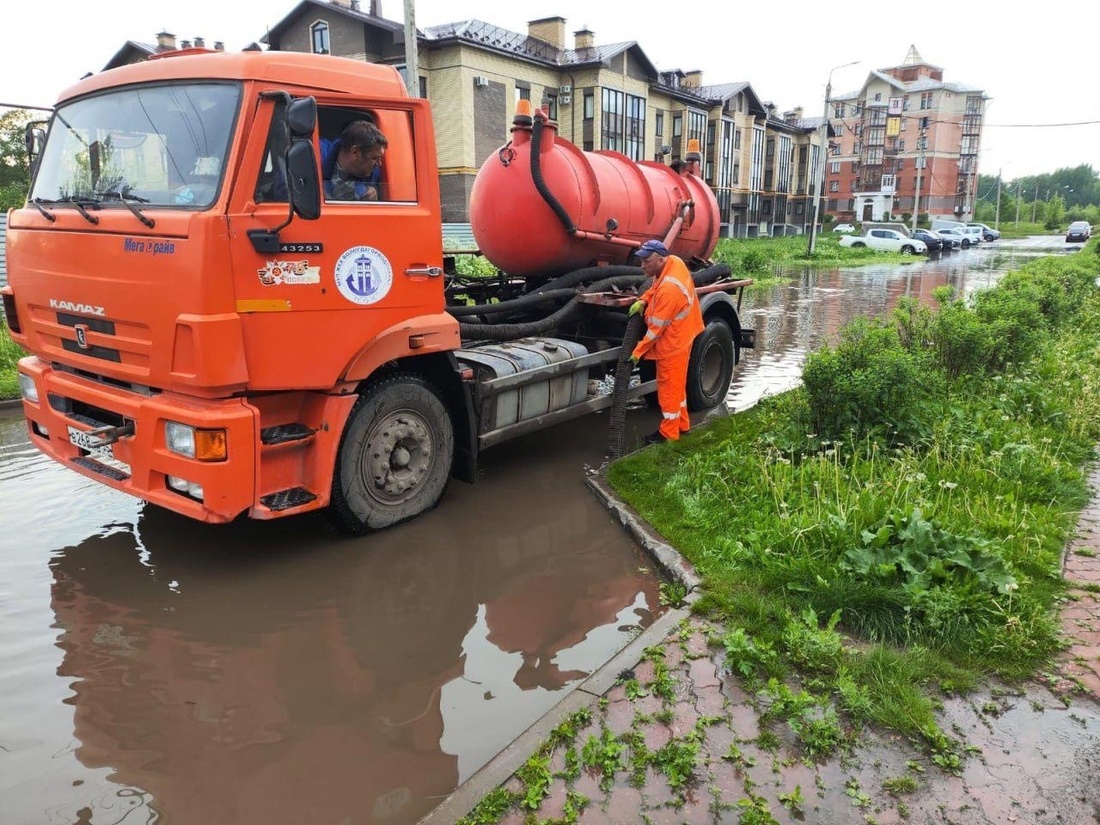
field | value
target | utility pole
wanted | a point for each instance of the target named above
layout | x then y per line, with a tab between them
412	70
920	169
997	220
819	183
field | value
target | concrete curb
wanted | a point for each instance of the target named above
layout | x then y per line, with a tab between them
501	767
10	403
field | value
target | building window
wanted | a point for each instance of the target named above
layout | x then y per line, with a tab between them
552	106
834	167
834	148
736	138
319	35
659	121
697	126
901	145
589	106
838	110
834	186
623	123
973	104
725	163
522	93
874	156
878	97
926	100
677	125
766	206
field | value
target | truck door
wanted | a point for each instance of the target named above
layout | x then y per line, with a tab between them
364	266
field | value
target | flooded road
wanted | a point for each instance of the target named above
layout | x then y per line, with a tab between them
157	670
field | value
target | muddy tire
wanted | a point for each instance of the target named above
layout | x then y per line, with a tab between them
395	456
710	369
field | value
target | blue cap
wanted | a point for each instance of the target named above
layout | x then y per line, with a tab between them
649	247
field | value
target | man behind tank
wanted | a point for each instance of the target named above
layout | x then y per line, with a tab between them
673	319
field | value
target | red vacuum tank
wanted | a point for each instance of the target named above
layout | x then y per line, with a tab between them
593	207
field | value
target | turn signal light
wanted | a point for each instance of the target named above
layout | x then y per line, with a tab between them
210	445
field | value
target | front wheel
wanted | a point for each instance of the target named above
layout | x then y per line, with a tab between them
710	369
907	250
395	456
858	245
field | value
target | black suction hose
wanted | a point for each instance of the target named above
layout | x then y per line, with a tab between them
510	332
540	181
635	326
516	304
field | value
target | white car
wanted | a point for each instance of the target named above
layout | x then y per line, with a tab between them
885	240
844	227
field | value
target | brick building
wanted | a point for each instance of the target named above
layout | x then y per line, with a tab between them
905	134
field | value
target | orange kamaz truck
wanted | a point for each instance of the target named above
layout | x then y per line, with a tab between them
211	334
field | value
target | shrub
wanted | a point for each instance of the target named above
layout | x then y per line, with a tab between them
870	384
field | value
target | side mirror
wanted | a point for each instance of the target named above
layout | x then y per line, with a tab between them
302	179
35	136
301	117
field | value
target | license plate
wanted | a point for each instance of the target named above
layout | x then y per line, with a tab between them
103	453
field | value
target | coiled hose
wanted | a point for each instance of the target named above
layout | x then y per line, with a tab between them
568	313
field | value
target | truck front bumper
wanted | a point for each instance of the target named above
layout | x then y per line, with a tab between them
73	414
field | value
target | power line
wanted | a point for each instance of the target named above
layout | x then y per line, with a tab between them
1038	125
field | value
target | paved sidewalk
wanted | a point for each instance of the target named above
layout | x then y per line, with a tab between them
1037	757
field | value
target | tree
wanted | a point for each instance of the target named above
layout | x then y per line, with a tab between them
1055	213
15	179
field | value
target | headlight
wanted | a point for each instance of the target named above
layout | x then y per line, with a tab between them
204	445
27	388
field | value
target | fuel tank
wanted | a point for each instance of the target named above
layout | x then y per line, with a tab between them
540	206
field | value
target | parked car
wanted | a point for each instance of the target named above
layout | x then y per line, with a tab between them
931	239
958	238
988	232
1079	232
954	238
974	233
885	240
844	227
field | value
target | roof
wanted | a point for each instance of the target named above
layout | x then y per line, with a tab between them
276	31
721	92
130	46
480	33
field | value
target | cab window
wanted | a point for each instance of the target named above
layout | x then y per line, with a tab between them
359	166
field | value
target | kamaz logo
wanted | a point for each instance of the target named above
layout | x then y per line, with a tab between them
69	306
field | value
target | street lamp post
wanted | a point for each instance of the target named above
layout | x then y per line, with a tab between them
819	172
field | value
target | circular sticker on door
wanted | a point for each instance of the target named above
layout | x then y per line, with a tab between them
363	275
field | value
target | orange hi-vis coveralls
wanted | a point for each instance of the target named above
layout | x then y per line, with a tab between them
673	319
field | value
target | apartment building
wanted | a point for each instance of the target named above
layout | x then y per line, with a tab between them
907	141
604	97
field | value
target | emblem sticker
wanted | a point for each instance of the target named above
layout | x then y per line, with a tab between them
289	272
363	275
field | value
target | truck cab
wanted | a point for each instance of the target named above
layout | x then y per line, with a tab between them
184	316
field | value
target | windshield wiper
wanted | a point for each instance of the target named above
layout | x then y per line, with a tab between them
37	204
80	204
128	200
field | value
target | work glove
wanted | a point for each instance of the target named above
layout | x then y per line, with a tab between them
634	359
636	307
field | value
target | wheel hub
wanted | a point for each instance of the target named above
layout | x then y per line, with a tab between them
399	455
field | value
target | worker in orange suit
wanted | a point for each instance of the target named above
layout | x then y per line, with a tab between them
673	319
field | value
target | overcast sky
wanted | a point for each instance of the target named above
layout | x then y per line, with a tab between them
1038	67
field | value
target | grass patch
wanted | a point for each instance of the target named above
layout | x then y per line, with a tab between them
10	353
894	528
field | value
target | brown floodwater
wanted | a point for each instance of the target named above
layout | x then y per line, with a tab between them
156	670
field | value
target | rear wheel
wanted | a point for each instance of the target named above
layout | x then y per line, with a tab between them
710	369
858	245
395	456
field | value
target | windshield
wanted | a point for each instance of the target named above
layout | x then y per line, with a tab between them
153	145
